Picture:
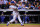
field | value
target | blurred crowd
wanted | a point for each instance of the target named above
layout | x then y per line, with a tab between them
21	4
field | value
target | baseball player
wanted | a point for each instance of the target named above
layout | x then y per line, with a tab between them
15	14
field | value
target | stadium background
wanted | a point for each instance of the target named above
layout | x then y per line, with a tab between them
28	17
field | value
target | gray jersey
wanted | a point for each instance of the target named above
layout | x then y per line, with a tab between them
14	9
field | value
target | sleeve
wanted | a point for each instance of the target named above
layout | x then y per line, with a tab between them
15	7
21	0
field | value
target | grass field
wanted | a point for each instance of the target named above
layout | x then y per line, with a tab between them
19	25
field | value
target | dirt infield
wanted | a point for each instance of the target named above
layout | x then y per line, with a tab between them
20	26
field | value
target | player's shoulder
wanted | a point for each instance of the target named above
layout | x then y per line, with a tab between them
10	6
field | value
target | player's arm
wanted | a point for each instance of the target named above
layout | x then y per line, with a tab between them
9	7
15	8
